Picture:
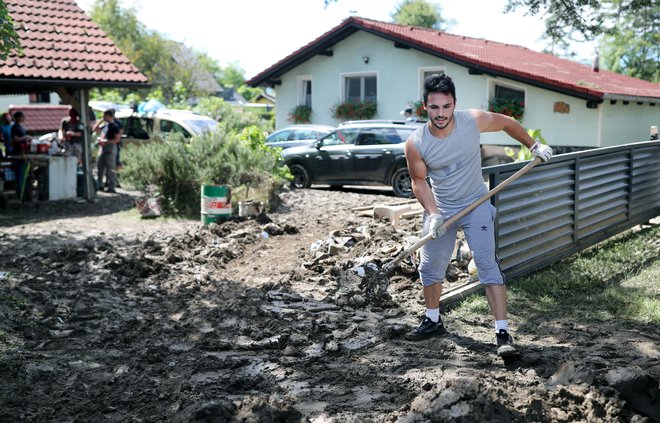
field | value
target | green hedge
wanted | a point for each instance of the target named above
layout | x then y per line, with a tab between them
174	169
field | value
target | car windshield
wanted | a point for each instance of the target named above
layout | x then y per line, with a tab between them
341	136
200	126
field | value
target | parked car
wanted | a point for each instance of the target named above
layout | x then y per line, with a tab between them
354	154
140	126
297	135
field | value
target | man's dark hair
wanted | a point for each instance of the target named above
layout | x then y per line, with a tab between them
109	112
439	83
18	115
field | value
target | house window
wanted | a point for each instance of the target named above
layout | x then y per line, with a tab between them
305	91
39	98
361	88
426	72
502	92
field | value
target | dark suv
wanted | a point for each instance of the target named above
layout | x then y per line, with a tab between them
355	154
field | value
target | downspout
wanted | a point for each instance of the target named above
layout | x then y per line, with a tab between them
90	192
599	133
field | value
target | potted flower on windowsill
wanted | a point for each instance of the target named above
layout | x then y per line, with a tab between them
300	114
508	107
419	110
351	110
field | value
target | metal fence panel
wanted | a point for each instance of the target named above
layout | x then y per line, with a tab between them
573	202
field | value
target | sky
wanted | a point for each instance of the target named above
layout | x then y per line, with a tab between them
254	34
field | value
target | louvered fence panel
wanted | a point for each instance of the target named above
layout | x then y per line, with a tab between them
573	202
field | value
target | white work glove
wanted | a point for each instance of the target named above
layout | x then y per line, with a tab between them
542	151
435	226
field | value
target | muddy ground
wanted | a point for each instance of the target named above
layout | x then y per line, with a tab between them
108	317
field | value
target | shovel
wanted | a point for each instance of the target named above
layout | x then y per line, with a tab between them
389	267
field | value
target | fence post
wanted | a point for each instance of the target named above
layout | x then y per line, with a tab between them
576	198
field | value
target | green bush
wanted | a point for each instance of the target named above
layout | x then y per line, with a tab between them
175	168
524	154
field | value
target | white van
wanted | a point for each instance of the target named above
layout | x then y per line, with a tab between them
140	127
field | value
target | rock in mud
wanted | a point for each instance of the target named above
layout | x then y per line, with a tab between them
210	411
639	388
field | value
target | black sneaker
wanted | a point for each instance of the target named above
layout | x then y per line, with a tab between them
425	329
504	343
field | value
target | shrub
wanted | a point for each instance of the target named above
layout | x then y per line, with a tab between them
174	169
350	110
524	154
300	114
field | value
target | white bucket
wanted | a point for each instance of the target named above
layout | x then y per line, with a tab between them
250	208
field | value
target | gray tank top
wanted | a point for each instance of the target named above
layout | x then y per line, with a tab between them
453	162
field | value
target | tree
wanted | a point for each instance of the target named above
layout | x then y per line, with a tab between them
9	41
174	69
627	29
634	48
419	13
232	76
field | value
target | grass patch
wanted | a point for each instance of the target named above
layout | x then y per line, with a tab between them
619	278
616	279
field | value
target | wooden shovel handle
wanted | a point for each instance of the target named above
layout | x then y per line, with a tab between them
416	246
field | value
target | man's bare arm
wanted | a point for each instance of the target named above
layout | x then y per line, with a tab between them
418	172
494	122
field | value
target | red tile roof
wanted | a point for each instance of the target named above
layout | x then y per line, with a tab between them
61	43
481	55
42	118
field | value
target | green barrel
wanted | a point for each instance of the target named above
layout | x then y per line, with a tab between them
216	203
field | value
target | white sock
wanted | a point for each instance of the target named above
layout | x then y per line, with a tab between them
501	324
433	314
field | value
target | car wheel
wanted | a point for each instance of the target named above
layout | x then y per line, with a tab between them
401	183
301	177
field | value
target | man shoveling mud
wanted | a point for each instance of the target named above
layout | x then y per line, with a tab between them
447	150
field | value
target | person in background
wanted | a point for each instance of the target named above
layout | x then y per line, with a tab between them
5	127
19	135
20	141
111	132
72	134
408	115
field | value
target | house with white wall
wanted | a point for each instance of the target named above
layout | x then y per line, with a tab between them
574	105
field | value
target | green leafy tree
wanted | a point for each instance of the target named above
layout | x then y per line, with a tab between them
171	67
249	93
627	30
419	13
9	41
634	47
232	76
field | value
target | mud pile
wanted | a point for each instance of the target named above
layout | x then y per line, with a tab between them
111	318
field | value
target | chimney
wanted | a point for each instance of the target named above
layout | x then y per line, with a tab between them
595	64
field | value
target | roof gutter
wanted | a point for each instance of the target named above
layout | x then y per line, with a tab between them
624	97
22	85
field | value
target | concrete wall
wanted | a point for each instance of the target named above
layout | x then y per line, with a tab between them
625	123
399	73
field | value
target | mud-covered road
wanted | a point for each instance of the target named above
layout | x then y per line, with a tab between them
106	317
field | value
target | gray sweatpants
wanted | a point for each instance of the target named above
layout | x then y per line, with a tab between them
478	227
106	165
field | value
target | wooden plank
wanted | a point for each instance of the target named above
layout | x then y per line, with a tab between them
460	293
396	203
